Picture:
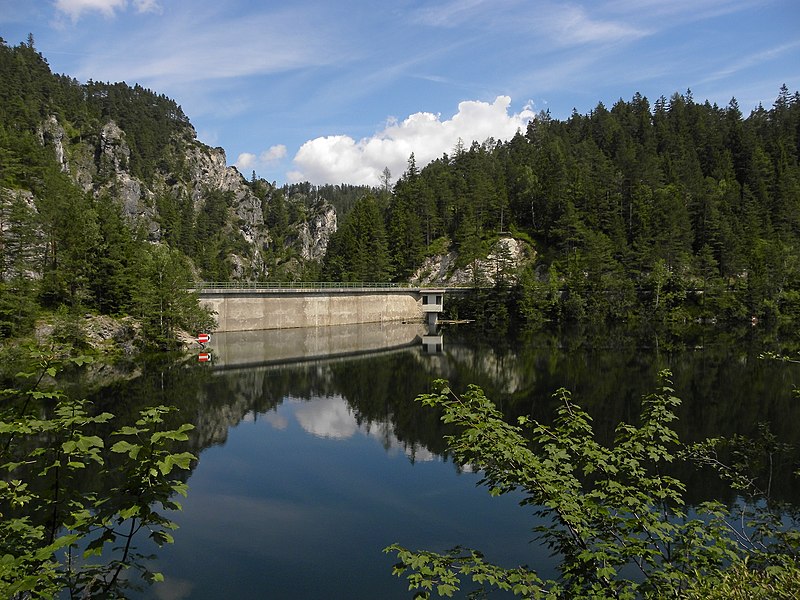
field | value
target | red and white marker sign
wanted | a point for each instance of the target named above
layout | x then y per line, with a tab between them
203	338
204	357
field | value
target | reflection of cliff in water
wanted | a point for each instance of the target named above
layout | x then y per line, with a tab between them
725	388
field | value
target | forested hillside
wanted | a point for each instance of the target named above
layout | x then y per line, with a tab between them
110	204
678	208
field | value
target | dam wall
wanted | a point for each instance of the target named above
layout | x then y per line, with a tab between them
253	310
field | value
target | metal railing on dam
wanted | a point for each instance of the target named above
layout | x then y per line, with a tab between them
217	287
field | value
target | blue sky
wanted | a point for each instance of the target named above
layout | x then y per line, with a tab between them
334	91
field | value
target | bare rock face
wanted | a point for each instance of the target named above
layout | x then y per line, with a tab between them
51	133
115	154
503	262
207	170
113	168
101	165
315	233
187	171
238	267
102	169
436	270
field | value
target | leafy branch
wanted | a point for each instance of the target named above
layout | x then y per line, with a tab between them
50	529
608	509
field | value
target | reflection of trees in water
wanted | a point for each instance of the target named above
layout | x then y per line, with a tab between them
383	389
725	388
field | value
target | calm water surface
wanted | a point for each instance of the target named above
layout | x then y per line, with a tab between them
313	455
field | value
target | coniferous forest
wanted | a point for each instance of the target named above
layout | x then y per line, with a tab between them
678	208
63	248
675	208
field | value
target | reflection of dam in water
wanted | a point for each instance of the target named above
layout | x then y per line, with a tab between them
234	349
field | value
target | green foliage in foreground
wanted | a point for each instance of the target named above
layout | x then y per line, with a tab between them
617	522
58	532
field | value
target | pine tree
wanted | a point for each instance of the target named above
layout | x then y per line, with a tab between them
358	251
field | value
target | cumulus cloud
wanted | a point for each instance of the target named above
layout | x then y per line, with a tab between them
276	152
75	8
247	160
340	158
332	418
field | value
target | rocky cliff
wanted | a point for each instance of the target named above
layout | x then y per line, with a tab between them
188	172
504	260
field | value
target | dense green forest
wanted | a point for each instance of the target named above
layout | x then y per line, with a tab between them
343	197
678	208
104	185
64	249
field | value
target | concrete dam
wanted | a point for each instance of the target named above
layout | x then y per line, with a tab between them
262	306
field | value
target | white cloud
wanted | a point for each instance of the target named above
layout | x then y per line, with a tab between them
247	160
331	417
274	153
108	8
667	13
452	13
572	25
561	23
147	6
751	61
340	158
193	47
75	8
277	420
327	417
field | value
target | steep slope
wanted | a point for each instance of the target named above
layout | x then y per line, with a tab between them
110	204
136	149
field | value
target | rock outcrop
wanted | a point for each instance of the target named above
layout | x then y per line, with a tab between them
504	260
101	164
315	233
52	133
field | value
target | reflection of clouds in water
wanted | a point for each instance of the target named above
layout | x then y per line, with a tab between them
420	454
276	420
331	417
327	417
173	588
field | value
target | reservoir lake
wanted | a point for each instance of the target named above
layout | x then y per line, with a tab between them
313	454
